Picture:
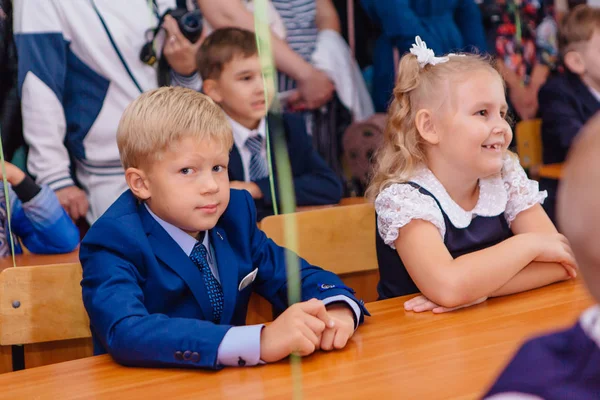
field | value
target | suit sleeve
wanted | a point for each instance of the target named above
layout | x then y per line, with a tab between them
271	281
560	119
401	24
42	66
113	297
468	19
314	182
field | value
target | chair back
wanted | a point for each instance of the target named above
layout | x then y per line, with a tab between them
42	304
529	143
338	239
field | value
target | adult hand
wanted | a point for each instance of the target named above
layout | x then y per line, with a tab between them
74	201
314	90
179	52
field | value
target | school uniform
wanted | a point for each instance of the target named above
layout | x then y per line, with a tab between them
314	182
566	104
154	300
563	365
501	198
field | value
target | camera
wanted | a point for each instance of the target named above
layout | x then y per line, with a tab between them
190	22
190	25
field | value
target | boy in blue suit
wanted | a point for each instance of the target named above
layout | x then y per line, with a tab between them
567	101
169	269
229	64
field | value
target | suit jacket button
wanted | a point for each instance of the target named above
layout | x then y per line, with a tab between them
241	362
195	357
178	355
187	355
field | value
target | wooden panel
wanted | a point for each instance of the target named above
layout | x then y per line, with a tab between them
550	171
338	239
5	359
364	283
395	354
50	305
39	354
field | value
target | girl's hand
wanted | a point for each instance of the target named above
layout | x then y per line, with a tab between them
555	247
422	303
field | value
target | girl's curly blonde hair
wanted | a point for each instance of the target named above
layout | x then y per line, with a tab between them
416	88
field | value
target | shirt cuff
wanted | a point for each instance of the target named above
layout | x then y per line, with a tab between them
27	189
193	81
240	346
345	299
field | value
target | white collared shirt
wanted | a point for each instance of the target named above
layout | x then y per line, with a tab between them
240	135
594	92
186	242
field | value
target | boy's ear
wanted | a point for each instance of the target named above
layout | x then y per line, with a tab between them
426	127
137	181
574	62
210	87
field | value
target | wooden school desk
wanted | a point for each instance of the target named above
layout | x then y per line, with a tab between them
393	355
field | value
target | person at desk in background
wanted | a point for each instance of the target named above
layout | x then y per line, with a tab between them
36	217
458	218
566	365
230	67
169	269
569	100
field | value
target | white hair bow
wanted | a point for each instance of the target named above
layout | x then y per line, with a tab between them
424	55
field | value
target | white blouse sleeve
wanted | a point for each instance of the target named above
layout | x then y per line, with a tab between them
523	193
399	204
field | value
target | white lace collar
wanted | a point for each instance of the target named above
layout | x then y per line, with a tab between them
492	201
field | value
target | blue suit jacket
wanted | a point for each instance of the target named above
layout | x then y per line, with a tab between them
314	182
146	299
566	104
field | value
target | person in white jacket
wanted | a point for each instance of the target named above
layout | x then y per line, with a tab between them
79	67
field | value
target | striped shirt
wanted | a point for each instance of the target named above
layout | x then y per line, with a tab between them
300	19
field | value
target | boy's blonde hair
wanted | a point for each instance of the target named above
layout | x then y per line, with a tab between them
577	27
403	147
159	118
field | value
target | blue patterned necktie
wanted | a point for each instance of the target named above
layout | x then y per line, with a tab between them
213	287
258	163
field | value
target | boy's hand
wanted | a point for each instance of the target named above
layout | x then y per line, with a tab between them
337	337
422	303
14	175
298	329
251	187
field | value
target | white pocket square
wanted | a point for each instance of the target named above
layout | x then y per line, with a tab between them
248	279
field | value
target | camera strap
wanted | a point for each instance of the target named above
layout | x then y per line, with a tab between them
115	47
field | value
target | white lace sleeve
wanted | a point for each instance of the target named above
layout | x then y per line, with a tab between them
523	193
399	204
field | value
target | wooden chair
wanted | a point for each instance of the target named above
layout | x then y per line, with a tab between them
42	305
339	239
529	148
529	143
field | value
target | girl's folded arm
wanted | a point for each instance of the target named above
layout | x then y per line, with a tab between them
452	282
536	274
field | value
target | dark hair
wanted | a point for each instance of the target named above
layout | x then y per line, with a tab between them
220	47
